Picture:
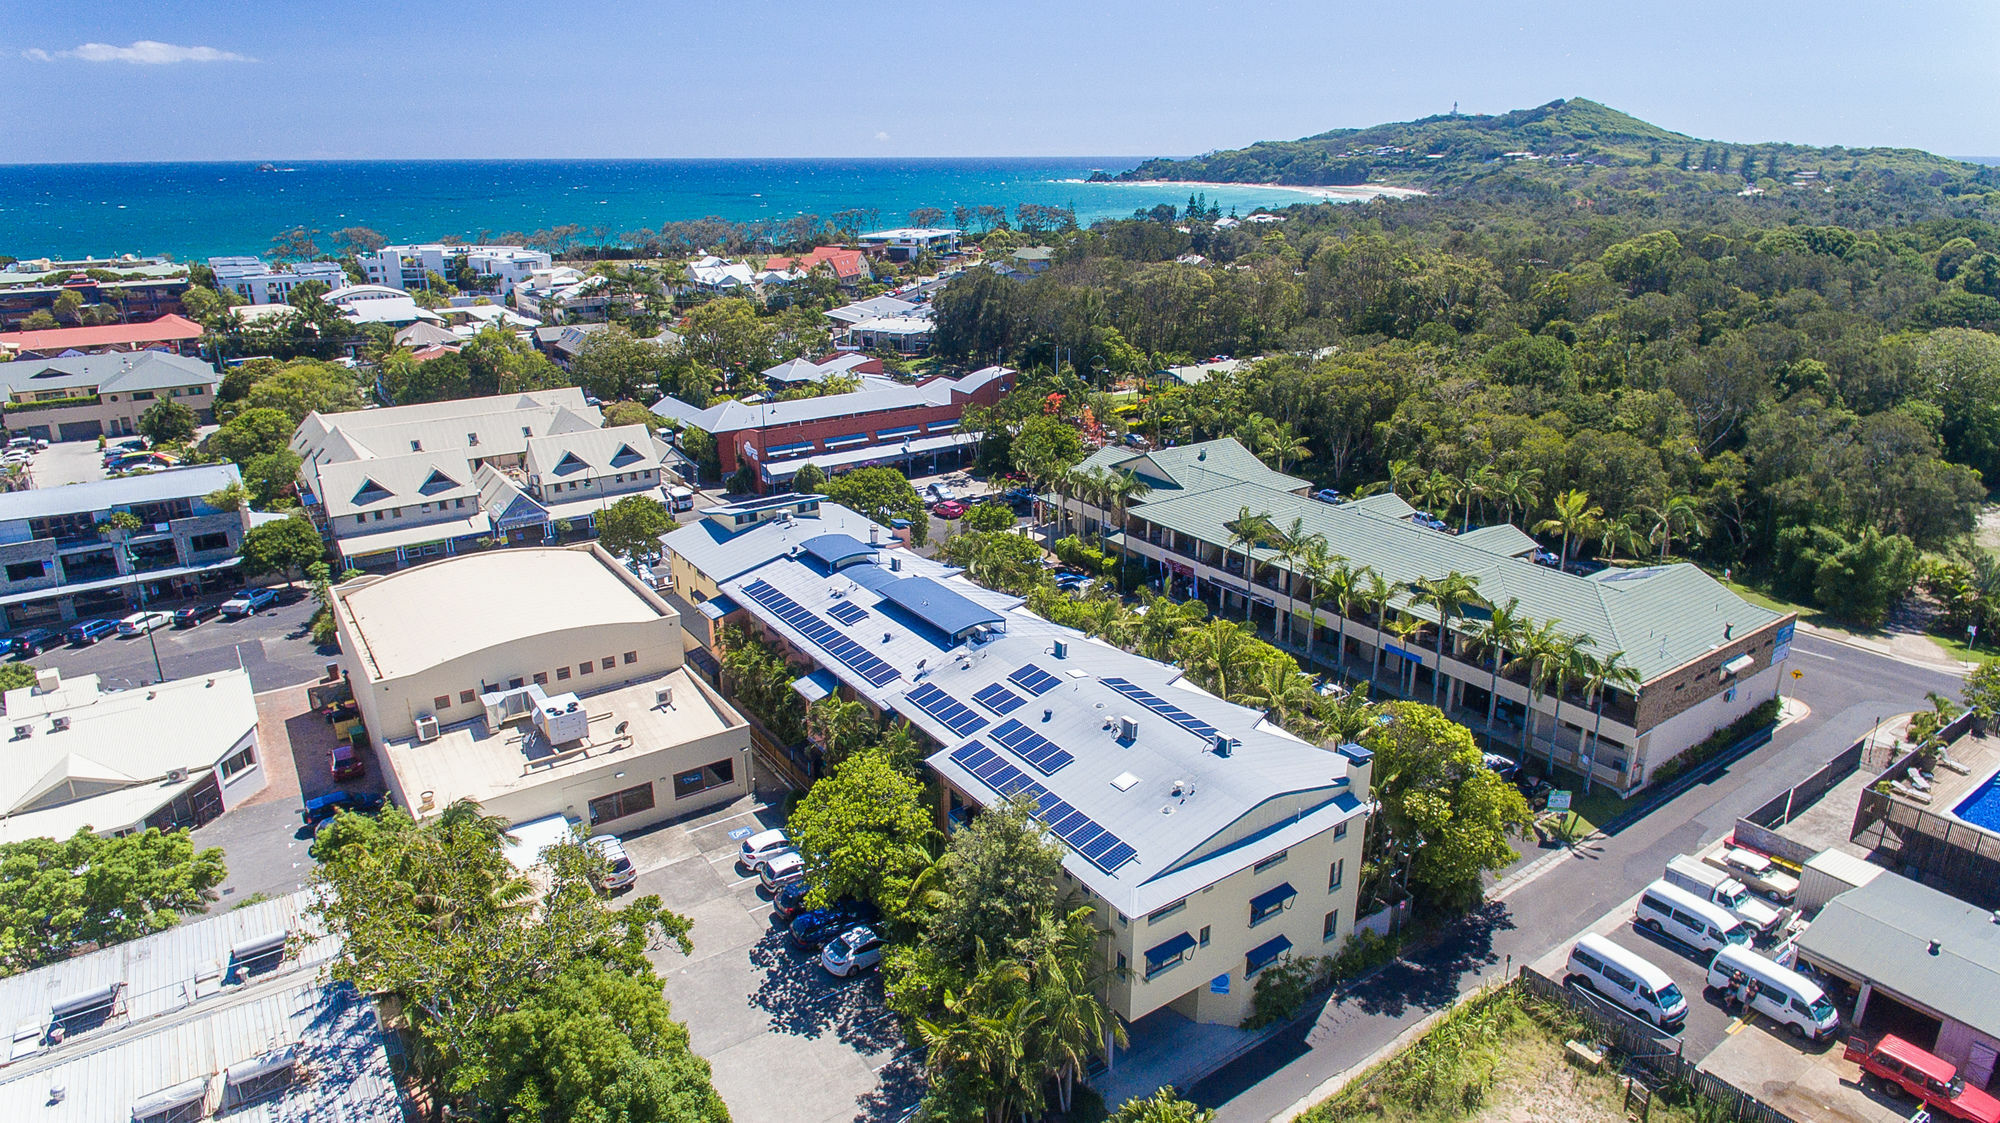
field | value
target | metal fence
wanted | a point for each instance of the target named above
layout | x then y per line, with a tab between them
1660	1059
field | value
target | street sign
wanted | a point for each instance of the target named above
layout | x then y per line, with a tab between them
1559	801
1219	984
1798	674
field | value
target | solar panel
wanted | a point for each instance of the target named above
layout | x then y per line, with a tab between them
817	631
1098	846
999	699
1162	707
1034	680
847	612
1047	757
955	715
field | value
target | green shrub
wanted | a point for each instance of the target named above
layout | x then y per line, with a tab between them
1283	987
1722	739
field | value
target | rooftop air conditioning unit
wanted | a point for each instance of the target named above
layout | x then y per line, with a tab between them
427	727
21	731
176	775
664	696
895	564
1128	729
1221	744
62	723
1062	649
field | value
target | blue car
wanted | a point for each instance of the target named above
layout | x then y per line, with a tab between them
790	899
813	929
87	632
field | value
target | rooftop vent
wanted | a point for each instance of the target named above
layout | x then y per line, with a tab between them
62	723
664	696
1936	947
1124	781
1180	787
895	564
23	731
427	728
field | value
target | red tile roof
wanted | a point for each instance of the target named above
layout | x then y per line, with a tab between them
166	329
843	262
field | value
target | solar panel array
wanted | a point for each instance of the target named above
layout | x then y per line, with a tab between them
847	612
1098	846
1162	707
1044	754
955	715
999	699
1034	680
808	624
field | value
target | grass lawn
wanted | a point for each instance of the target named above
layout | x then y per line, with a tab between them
1497	1059
1601	806
1955	647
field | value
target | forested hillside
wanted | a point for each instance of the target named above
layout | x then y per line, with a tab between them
1802	386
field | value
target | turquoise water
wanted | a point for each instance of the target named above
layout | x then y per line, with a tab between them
195	210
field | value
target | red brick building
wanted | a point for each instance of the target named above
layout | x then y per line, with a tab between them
914	428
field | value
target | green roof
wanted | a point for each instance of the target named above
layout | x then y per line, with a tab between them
1659	617
1196	467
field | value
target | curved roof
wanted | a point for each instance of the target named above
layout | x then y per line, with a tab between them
362	292
937	605
836	550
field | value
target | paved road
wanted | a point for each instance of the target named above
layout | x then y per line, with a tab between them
1848	691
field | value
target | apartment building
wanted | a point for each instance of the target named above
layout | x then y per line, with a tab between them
571	478
1704	656
259	283
884	422
1211	842
59	563
138	288
404	267
906	242
538	682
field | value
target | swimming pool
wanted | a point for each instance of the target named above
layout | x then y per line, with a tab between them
1982	807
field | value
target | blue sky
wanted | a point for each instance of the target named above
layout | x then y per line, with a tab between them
175	80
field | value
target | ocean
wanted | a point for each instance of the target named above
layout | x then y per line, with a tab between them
196	210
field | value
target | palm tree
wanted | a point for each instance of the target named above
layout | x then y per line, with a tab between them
1250	530
1404	626
1297	547
1289	447
1121	491
1374	593
1480	485
1612	672
1571	665
1337	585
1161	622
1572	516
990	1044
1532	647
1069	1022
1449	595
837	725
1216	652
1621	533
1680	514
1316	561
1279	689
1519	488
1499	634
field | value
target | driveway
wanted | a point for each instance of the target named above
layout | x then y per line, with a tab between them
785	1039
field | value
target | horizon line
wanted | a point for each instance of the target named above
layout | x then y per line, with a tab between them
556	159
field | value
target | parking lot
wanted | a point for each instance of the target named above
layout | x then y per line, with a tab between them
274	646
786	1040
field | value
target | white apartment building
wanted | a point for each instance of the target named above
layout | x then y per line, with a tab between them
259	283
403	267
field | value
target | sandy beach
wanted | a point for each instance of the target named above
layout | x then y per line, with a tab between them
1354	191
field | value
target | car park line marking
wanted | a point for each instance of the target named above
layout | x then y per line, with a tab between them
1737	1026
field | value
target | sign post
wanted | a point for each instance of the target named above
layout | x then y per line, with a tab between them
1559	800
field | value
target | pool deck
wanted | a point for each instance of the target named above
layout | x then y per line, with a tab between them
1981	757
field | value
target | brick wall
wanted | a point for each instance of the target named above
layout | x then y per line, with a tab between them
1696	682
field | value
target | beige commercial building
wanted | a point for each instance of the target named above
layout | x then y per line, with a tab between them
537	681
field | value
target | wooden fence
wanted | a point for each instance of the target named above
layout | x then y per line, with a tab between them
1950	853
1789	803
1659	1058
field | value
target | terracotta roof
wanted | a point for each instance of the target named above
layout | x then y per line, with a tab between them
163	330
843	262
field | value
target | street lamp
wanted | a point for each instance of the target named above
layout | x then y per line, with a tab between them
138	583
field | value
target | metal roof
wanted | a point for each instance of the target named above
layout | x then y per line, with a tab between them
104	495
837	550
1885	931
939	606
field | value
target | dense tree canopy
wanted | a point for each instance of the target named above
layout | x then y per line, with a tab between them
59	896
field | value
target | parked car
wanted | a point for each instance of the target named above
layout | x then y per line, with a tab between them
139	623
612	849
348	763
321	808
250	602
790	899
851	952
779	869
1505	767
189	615
86	632
35	641
1759	873
940	492
1327	495
949	509
760	846
1901	1070
811	930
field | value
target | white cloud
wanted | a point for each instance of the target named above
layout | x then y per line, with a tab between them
881	136
145	52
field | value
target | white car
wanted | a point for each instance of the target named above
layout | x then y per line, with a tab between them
139	623
612	849
780	868
851	952
249	602
940	492
761	846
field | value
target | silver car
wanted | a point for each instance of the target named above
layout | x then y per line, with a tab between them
852	952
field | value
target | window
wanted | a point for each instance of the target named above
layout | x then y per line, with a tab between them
516	683
1340	830
202	543
1335	876
562	673
1270	903
1331	927
458	504
1273	860
1156	917
631	657
1204	935
361	520
608	662
720	774
141	396
584	668
27	571
617	805
441	702
541	678
378	516
239	762
1121	961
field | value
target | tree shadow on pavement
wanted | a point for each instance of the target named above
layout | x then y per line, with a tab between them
803	1000
1431	978
900	1084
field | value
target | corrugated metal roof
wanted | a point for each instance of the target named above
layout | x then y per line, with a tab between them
103	495
1883	932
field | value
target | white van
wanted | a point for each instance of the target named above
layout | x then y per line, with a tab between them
1629	980
680	499
1777	992
1666	909
1716	887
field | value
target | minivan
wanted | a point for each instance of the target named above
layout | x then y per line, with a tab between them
1668	910
680	499
1775	991
1629	980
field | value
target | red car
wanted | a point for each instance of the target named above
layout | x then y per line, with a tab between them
348	763
1902	1070
949	509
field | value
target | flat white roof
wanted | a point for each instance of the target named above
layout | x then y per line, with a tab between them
435	613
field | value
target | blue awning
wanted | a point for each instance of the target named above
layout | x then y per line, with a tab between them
1173	949
937	605
1261	956
1275	895
715	608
